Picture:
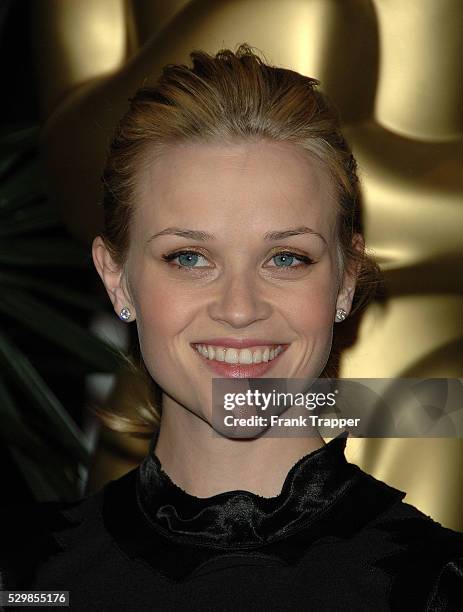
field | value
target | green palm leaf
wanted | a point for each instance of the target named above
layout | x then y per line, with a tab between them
32	456
42	438
78	299
52	325
24	186
16	365
40	253
13	145
33	219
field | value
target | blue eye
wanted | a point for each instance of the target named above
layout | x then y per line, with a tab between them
189	259
285	258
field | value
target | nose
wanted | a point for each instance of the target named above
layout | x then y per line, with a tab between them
239	301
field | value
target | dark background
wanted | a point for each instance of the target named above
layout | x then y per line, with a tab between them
20	108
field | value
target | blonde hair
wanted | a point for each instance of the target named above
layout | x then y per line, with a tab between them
222	98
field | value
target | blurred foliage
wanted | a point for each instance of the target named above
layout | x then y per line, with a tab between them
39	262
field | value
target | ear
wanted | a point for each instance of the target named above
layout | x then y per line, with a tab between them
112	275
349	278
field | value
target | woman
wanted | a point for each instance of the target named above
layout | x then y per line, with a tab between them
232	236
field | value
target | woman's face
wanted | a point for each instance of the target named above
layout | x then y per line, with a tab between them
239	281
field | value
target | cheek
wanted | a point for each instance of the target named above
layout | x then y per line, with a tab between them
311	307
164	310
161	315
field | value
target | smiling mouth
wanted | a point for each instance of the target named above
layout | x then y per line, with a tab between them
251	362
246	356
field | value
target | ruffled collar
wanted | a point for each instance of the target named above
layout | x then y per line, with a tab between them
242	519
151	519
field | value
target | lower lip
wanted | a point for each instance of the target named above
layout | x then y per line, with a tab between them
239	370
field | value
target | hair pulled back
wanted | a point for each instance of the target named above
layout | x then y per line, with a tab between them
223	98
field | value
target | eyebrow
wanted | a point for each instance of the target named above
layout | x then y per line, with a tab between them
205	236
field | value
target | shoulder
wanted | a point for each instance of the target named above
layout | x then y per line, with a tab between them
423	558
30	534
411	528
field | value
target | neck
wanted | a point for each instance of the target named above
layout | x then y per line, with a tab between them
204	464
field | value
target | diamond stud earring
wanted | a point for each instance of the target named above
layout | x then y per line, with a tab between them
341	314
125	314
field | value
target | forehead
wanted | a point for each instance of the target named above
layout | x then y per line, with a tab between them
243	186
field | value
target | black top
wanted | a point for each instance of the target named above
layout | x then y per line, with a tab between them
335	539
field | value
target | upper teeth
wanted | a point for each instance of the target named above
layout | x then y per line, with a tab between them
245	356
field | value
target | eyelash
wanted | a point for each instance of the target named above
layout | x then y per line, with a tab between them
306	261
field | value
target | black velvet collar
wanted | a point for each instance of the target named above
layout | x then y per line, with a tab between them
241	519
153	520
